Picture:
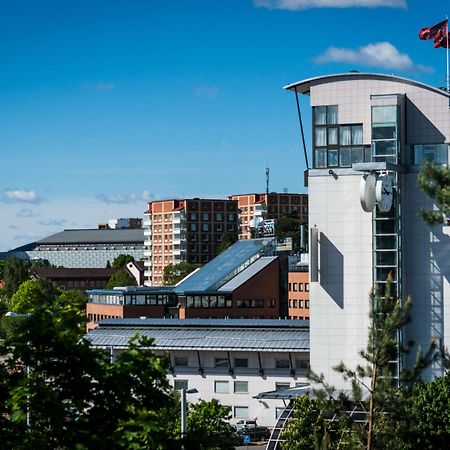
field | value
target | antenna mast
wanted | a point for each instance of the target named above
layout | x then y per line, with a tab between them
267	179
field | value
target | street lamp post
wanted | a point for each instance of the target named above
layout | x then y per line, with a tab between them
184	413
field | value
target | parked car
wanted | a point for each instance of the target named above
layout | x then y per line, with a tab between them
245	424
256	433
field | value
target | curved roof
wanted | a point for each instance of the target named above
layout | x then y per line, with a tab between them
304	86
73	237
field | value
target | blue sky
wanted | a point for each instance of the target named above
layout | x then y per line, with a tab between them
108	104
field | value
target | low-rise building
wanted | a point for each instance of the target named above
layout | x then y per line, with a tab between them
79	279
245	281
231	360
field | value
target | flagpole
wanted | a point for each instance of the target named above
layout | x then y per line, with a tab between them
446	42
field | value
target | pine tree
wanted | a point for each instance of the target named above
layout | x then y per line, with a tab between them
381	393
435	182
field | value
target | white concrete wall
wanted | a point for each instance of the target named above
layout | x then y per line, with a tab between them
339	302
262	410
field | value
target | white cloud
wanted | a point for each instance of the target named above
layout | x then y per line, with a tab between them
104	86
27	212
53	222
380	54
21	195
298	5
122	198
207	91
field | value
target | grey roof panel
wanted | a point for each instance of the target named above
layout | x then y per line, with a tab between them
71	237
247	274
206	339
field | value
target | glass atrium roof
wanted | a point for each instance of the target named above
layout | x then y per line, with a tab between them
227	265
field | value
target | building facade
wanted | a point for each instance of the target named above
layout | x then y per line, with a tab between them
188	230
230	360
371	134
76	279
298	288
256	207
85	248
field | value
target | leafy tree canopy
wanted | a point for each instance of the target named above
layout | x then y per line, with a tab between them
289	225
173	273
15	272
32	291
121	261
208	426
121	278
56	391
73	298
435	182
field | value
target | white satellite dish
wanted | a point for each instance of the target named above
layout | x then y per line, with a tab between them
254	223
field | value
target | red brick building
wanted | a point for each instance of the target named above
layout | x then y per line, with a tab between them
268	206
185	230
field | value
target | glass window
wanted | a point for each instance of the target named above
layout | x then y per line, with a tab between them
205	301
332	158
193	216
321	137
384	114
300	287
221	387
213	301
241	387
181	361
321	158
241	412
301	363
332	115
221	362
433	153
205	216
320	115
332	136
345	157
357	155
282	363
278	412
384	132
345	135
181	384
240	362
357	134
279	386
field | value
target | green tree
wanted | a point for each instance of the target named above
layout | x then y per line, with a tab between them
428	421
380	394
121	261
121	278
288	225
435	182
208	426
73	298
56	391
173	273
15	272
307	423
32	291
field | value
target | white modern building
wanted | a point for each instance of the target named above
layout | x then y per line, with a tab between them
232	360
371	133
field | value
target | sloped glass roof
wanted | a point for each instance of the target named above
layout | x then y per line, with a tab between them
227	265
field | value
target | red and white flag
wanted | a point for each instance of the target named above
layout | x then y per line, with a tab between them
438	32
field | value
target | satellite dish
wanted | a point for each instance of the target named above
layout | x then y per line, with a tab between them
254	223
